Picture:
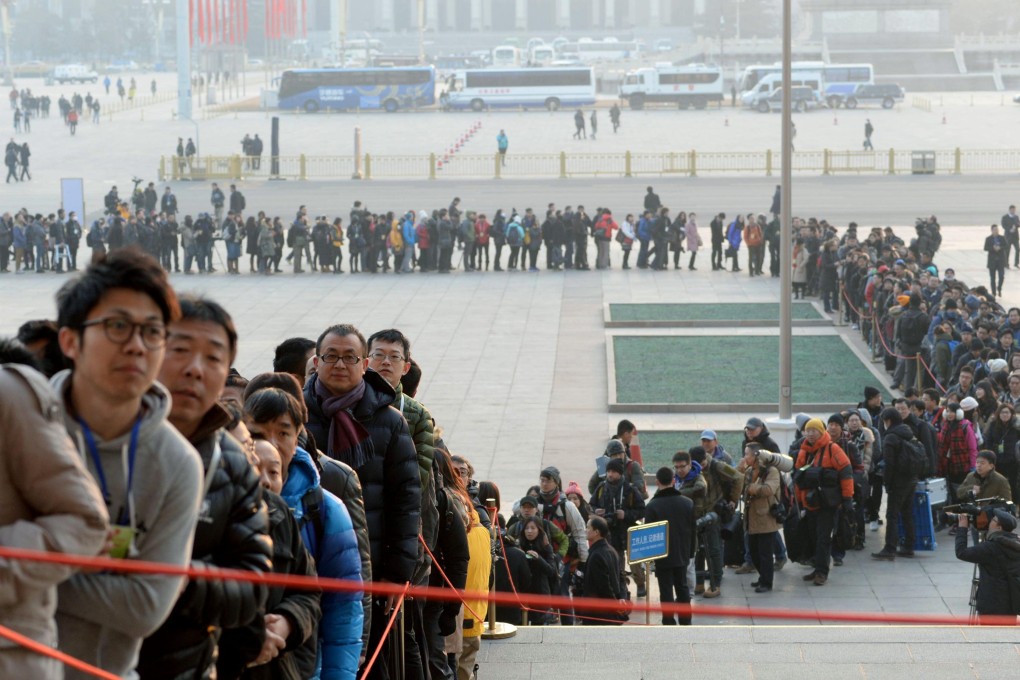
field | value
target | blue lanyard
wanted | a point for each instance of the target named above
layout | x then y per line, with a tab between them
90	442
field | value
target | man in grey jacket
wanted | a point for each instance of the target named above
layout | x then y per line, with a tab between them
113	326
49	503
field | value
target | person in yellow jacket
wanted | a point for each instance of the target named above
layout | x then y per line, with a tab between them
396	241
479	571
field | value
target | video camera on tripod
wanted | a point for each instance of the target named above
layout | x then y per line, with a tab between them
978	510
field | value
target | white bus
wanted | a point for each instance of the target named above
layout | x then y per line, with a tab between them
506	56
608	49
551	88
693	85
840	80
541	55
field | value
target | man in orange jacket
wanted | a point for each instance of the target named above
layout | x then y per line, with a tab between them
824	484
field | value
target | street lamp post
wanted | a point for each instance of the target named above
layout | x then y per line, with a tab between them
786	233
8	69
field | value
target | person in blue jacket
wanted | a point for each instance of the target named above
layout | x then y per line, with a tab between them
734	235
644	234
326	529
407	229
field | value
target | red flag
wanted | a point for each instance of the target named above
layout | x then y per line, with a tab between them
304	18
191	23
244	15
201	21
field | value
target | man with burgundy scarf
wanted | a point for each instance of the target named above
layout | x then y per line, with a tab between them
351	417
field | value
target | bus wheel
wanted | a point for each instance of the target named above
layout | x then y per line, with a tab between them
700	103
851	103
637	102
311	106
477	105
390	106
763	107
552	103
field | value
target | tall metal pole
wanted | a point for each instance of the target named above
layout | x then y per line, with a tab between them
343	32
8	68
183	62
421	31
786	234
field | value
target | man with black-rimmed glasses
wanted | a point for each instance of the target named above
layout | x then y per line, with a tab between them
113	325
351	417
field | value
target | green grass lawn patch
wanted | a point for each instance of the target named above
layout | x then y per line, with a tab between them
658	447
757	311
735	369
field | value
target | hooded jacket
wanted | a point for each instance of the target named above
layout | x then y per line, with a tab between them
994	556
102	618
232	533
390	481
47	502
694	487
336	556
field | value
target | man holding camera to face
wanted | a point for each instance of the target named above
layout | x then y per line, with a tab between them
998	561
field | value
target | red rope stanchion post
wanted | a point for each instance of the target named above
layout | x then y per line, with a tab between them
493	629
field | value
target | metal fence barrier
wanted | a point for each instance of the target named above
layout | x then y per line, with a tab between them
563	165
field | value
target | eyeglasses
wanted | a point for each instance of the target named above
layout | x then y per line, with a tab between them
120	331
392	358
349	359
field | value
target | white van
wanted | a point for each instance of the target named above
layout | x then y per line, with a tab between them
74	73
774	81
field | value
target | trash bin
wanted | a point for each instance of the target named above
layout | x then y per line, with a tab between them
922	162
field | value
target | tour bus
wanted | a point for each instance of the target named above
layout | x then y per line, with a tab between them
840	80
692	85
506	56
541	55
390	89
520	87
608	49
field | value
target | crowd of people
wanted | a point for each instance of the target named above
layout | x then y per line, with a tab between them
155	449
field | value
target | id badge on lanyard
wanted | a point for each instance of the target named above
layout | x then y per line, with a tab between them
123	530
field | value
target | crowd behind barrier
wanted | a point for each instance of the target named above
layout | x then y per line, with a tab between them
329	466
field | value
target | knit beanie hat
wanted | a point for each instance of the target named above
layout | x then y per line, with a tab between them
615	465
574	488
553	474
838	419
615	448
1006	520
814	424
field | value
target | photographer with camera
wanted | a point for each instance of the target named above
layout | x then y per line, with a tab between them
824	479
984	481
722	496
997	559
620	504
688	480
761	495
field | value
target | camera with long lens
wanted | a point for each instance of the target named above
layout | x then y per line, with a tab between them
977	510
706	520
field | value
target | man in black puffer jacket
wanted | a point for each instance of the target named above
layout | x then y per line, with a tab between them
900	484
233	526
351	418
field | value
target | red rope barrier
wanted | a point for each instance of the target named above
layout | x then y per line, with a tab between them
875	329
443	594
39	648
386	631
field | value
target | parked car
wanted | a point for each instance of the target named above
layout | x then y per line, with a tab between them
802	98
886	95
31	69
74	73
1016	99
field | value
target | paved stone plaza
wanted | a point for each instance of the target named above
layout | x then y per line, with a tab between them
515	365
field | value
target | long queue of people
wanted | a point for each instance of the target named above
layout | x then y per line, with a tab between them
145	445
438	240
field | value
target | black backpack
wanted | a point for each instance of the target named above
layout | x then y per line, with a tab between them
311	504
913	459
